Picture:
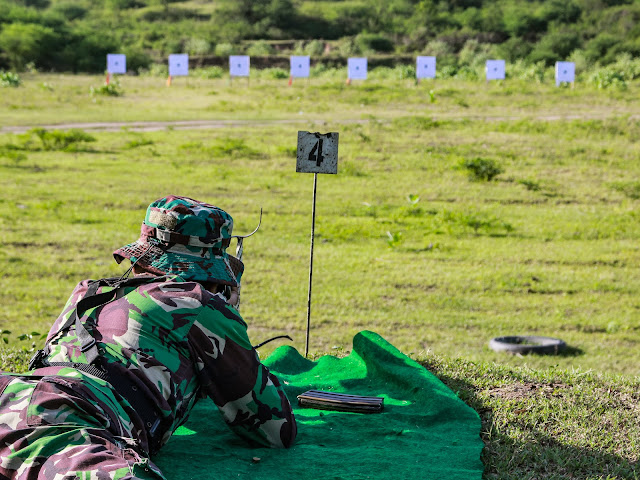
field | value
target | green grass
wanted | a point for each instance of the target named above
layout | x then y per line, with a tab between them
407	245
549	424
50	99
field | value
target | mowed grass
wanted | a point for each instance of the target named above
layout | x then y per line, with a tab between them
53	99
406	243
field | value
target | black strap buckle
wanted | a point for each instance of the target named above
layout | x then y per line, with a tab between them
89	345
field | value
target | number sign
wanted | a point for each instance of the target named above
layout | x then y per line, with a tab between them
178	65
239	65
116	63
426	67
565	72
300	67
317	152
495	69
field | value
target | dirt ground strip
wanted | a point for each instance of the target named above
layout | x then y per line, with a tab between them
215	124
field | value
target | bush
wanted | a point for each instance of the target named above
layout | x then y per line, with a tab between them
109	90
605	78
405	72
70	10
27	42
156	70
437	48
519	23
475	54
369	43
481	169
617	74
322	71
555	46
225	49
137	59
468	73
197	46
209	72
348	47
561	10
513	49
521	70
275	73
54	140
461	222
596	49
9	79
447	71
580	60
259	49
314	48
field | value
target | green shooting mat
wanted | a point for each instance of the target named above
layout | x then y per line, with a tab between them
424	432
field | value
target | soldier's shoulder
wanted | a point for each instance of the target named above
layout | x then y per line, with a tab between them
177	287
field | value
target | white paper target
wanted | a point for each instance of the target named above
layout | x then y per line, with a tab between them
495	69
317	152
178	64
116	63
239	65
357	68
565	72
426	67
300	66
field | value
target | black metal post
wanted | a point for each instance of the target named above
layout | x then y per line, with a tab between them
313	232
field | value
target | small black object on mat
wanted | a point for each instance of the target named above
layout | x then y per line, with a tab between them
341	402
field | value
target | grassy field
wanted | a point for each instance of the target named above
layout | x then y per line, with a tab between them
408	243
51	99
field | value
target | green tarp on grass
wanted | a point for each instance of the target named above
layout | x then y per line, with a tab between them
425	431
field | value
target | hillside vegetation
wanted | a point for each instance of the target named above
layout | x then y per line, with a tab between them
64	35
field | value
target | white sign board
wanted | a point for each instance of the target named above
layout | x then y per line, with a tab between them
426	67
495	69
565	72
357	68
178	64
317	152
239	65
300	66
116	63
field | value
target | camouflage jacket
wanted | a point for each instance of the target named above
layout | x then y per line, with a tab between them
173	342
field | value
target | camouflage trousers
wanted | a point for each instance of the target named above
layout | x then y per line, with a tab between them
50	429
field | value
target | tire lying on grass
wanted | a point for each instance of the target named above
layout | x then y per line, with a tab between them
527	344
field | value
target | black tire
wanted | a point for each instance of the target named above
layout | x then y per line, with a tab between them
528	344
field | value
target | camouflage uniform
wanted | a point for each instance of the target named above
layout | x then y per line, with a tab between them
164	344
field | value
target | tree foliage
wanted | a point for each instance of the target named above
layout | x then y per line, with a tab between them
75	35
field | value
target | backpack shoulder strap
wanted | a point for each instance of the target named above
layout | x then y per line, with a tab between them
91	299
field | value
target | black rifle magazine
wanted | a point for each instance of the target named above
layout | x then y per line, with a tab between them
341	402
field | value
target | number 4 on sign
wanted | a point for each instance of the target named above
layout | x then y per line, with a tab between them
317	152
315	155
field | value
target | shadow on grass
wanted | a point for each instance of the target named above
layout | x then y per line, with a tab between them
568	351
521	447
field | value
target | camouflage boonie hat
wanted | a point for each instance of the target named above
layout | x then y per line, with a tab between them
185	237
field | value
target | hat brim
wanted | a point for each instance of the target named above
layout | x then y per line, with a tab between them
199	267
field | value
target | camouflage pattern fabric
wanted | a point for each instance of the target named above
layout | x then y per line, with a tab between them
174	342
53	427
186	237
